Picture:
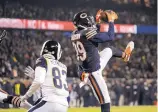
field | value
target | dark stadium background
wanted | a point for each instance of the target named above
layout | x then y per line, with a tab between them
132	83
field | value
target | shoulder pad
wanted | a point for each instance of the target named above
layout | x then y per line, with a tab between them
42	62
90	32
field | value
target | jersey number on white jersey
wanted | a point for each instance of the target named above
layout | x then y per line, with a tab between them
57	78
80	50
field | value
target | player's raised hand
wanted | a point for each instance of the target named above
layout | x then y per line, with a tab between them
111	15
106	16
29	72
3	35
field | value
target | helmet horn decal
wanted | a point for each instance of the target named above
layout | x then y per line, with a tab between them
83	15
43	47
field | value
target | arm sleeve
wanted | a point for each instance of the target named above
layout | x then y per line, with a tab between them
104	36
40	73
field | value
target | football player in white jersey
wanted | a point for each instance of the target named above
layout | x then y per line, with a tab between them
50	76
37	96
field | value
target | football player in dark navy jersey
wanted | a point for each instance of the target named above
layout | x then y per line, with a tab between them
86	43
85	40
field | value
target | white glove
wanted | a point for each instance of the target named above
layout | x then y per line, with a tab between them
29	72
25	105
24	98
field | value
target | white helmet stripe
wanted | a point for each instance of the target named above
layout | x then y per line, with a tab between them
59	52
43	47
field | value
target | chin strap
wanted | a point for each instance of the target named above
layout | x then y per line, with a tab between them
49	56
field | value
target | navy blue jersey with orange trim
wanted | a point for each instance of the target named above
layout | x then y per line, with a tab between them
86	43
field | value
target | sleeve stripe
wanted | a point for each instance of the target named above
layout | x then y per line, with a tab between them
16	101
91	35
90	32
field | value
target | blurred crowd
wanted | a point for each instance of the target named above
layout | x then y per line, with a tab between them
19	10
142	62
22	48
122	92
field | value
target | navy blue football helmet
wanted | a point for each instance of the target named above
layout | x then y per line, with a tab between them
83	20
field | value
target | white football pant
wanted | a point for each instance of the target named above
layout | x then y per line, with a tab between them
44	106
96	80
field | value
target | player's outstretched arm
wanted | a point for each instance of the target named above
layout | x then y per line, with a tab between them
101	37
106	36
103	16
14	100
38	81
40	72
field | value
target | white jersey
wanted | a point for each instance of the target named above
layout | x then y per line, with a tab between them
50	78
54	88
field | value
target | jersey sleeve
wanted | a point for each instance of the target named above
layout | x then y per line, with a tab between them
95	36
40	74
41	62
